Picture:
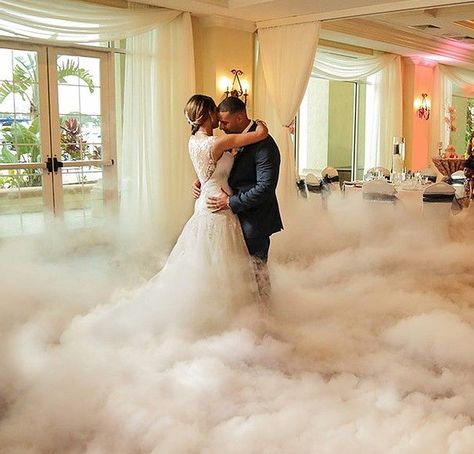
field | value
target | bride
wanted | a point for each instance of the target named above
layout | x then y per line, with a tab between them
209	269
209	278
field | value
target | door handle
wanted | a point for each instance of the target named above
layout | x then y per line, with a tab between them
53	165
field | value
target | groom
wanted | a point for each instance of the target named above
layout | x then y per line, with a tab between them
253	178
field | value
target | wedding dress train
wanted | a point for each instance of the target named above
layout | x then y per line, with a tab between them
206	283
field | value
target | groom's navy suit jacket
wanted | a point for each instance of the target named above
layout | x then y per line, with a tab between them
253	179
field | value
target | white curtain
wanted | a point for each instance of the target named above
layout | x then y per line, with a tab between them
383	98
287	55
76	21
444	78
345	68
156	169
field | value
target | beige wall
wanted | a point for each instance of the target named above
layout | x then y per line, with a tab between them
417	79
219	48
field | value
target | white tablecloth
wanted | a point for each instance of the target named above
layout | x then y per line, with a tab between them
410	200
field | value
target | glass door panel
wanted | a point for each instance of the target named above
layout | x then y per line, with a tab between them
25	196
21	206
83	196
326	127
57	148
331	128
341	127
82	116
360	142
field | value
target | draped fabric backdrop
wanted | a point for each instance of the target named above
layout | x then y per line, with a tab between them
287	55
77	22
340	67
155	167
383	98
156	170
444	77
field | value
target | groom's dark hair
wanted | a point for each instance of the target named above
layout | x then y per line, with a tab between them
232	104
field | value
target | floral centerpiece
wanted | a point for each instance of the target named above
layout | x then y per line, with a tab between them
450	119
450	152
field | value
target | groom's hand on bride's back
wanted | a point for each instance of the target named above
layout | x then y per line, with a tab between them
196	189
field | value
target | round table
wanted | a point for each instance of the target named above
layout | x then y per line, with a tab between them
410	198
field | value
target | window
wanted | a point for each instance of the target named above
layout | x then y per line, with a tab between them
464	105
331	128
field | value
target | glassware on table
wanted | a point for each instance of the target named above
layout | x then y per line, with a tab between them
396	178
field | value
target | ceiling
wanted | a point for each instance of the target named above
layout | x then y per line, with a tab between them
455	22
265	10
431	34
426	29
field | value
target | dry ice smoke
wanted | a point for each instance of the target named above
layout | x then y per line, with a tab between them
370	348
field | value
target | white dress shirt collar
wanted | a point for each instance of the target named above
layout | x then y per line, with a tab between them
248	127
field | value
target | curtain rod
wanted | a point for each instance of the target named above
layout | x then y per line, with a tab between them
46	42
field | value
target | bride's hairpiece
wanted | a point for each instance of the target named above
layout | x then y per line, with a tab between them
192	123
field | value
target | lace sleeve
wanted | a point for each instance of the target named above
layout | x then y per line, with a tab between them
200	151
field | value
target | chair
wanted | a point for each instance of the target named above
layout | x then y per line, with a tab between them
438	201
330	179
379	190
439	193
458	177
457	180
312	182
380	201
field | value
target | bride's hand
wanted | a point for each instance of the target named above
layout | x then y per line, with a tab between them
196	189
262	129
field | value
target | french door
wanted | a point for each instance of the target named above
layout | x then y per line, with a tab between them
57	132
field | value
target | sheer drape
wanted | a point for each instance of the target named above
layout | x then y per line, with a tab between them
156	169
287	55
444	77
345	68
77	22
383	98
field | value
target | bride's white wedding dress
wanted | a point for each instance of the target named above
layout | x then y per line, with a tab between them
207	280
209	271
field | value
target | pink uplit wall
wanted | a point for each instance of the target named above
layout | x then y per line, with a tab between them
417	78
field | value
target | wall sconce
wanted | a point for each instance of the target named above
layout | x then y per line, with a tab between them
423	106
236	89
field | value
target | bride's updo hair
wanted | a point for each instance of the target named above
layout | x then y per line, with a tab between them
198	110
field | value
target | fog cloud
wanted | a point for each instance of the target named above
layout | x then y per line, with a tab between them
369	347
